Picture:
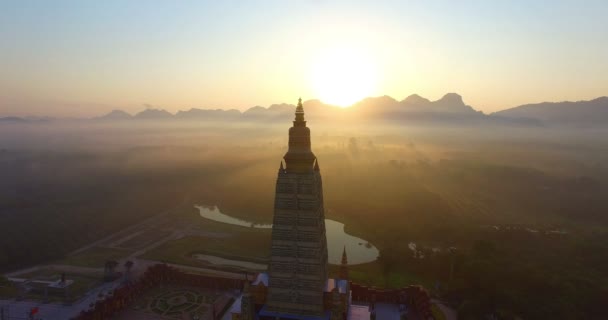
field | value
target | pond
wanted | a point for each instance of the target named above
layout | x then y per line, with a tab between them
358	250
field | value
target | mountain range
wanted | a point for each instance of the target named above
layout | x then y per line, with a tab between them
593	112
450	109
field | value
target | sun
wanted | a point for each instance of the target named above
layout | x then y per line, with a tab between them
342	76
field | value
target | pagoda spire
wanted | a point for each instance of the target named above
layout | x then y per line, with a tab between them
299	157
299	121
344	266
296	286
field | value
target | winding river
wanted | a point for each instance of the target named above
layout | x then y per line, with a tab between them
358	250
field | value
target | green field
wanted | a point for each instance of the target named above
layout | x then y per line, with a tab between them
95	257
251	246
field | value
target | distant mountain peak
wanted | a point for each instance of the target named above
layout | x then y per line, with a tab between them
255	109
415	99
603	99
152	113
116	115
383	100
452	98
281	106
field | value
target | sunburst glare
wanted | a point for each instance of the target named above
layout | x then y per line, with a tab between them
342	76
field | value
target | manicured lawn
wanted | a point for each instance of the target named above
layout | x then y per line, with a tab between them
51	273
95	257
437	313
8	291
251	246
372	274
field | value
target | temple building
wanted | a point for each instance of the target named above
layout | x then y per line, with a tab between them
297	286
298	253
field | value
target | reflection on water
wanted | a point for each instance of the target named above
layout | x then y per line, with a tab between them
358	250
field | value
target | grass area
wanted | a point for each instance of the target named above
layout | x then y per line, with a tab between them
372	274
8	291
251	246
95	257
437	313
82	284
51	273
145	238
188	212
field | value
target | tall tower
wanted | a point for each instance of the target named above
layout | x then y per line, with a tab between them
298	254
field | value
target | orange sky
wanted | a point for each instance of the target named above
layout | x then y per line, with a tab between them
69	58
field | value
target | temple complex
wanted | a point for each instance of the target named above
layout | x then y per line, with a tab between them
296	284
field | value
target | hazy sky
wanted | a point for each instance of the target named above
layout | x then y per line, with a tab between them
83	58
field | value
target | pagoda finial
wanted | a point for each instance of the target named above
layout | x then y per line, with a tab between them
300	114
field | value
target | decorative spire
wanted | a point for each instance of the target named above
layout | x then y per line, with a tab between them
343	273
299	157
281	169
317	165
299	114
